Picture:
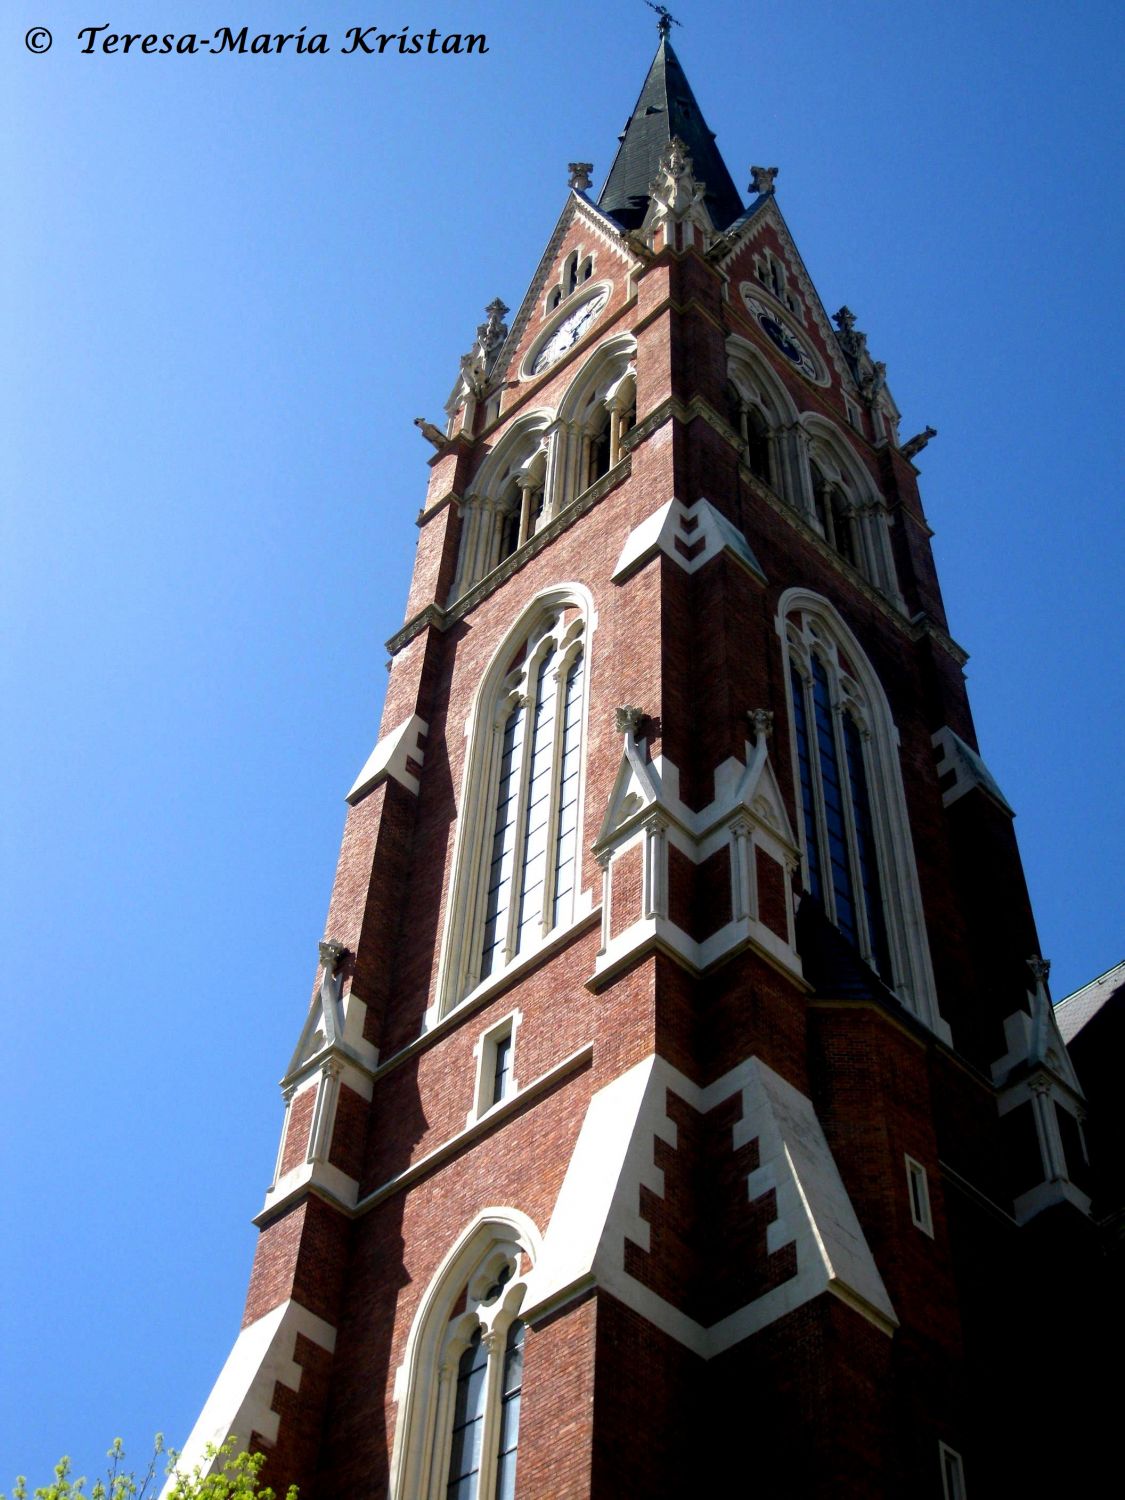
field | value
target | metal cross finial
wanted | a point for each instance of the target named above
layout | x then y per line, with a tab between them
667	19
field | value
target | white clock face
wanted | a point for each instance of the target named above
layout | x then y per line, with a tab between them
790	344
576	323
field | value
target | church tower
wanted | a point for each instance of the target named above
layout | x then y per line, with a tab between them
676	1097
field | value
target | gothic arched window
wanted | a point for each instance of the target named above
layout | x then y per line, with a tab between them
516	867
844	504
833	507
457	1436
595	415
506	505
764	414
857	852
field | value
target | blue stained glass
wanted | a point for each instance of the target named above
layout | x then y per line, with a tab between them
804	764
865	841
833	794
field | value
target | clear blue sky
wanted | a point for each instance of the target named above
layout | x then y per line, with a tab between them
228	285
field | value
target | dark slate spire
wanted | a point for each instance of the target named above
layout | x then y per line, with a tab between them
665	109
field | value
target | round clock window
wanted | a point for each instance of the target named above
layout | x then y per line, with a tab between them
783	337
575	323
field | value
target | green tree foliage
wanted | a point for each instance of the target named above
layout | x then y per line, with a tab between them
236	1478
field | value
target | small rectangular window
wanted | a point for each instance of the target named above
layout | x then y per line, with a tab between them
919	1188
501	1067
495	1053
952	1474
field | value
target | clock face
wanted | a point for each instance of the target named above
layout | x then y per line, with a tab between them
567	333
781	334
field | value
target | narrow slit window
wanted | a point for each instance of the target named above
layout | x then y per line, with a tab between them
918	1186
501	1067
952	1474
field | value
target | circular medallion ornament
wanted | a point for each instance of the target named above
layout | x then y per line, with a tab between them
576	323
789	342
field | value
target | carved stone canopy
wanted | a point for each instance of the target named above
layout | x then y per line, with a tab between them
676	194
579	175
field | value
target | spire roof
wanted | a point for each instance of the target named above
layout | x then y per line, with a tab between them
666	108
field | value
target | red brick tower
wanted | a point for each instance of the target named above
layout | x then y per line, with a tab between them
675	1092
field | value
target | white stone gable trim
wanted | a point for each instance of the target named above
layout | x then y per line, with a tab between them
597	1209
967	768
241	1400
677	530
747	813
576	208
389	758
771	214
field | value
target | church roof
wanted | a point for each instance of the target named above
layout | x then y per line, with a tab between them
666	108
1082	1006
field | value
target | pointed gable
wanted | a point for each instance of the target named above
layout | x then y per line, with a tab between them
666	110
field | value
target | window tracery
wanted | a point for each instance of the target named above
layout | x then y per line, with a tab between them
517	864
508	502
843	504
595	416
457	1437
857	851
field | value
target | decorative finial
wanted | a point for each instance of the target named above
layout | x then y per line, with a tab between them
762	179
761	722
627	718
1040	968
331	955
667	19
580	174
852	341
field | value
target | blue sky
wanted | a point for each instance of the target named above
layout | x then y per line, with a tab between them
228	284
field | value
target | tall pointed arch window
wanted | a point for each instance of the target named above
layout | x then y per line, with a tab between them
516	872
458	1430
857	852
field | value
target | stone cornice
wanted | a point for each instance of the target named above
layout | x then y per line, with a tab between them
563	1070
428	512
